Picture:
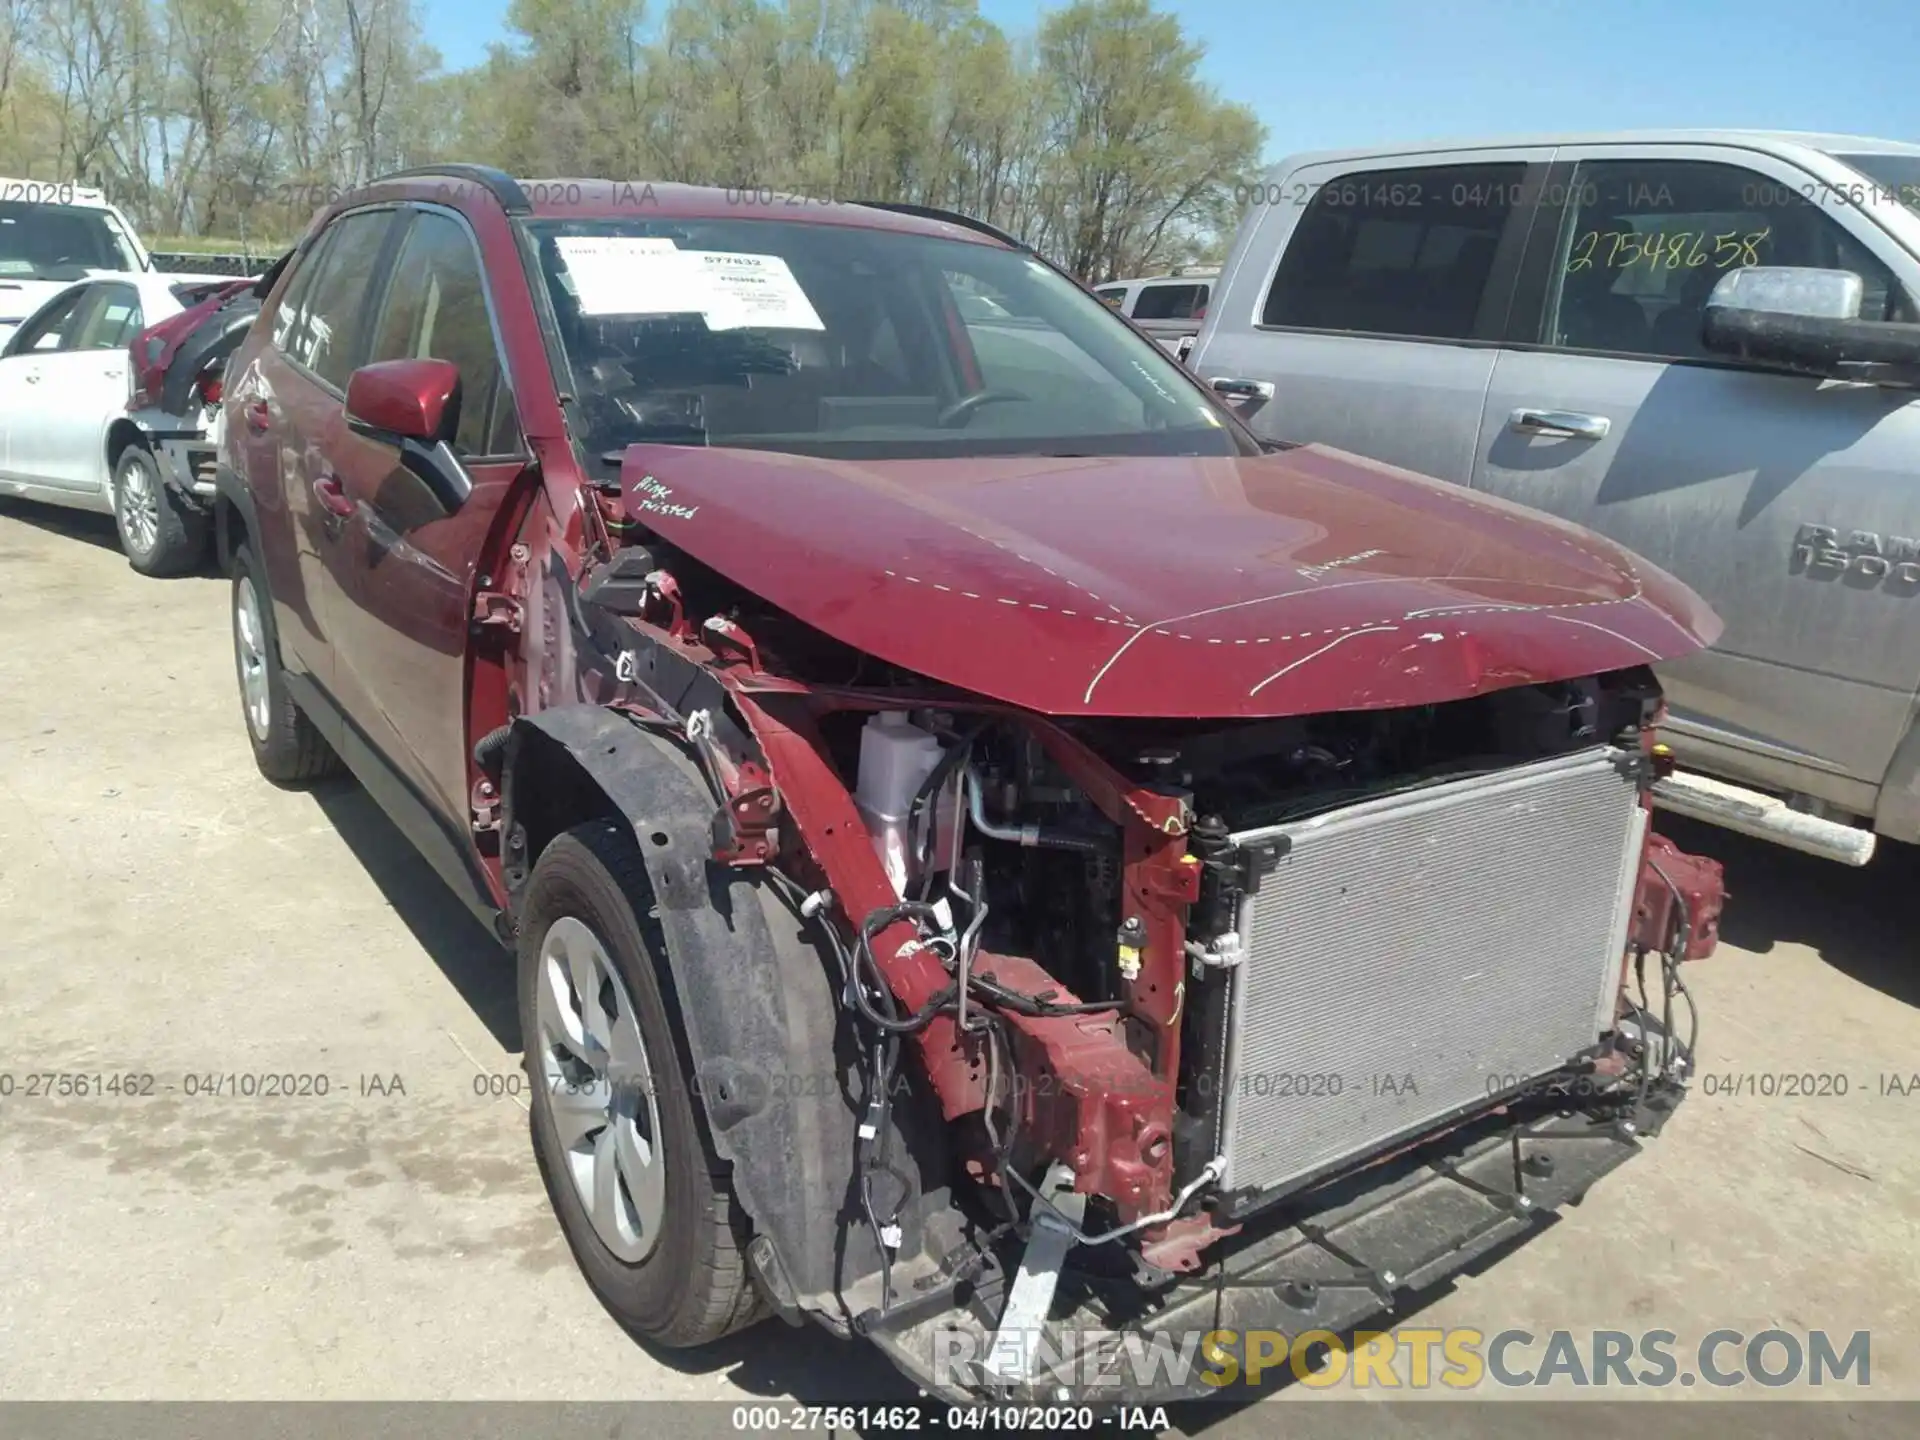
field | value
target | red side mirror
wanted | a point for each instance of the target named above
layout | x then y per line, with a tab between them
403	399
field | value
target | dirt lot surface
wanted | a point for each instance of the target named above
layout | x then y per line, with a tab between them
164	912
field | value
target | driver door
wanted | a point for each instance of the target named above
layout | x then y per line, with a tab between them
403	616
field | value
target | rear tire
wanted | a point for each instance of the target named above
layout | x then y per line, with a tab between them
288	749
161	531
665	1253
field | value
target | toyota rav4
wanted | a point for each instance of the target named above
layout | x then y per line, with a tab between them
1002	861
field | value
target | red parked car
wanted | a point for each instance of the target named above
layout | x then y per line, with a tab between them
1001	861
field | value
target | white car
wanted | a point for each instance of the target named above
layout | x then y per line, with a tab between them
53	233
65	436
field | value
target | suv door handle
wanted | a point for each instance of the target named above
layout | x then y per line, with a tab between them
1229	388
1567	424
333	499
259	417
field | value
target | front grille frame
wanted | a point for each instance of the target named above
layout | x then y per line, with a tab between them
1591	775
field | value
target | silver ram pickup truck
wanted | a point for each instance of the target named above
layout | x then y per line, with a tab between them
1702	344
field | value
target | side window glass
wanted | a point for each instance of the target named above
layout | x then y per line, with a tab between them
51	331
1645	241
436	308
1114	295
326	335
1170	302
109	320
1396	252
287	316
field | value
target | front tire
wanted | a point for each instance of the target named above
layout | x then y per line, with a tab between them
160	531
286	746
645	1204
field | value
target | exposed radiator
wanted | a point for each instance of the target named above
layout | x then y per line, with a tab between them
1412	954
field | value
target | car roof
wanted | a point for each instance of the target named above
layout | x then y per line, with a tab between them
573	198
1781	142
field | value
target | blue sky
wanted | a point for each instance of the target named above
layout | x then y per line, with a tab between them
1353	72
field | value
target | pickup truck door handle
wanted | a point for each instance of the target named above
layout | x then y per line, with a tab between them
259	417
1567	424
1230	388
333	499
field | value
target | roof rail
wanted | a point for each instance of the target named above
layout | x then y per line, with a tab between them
501	185
951	217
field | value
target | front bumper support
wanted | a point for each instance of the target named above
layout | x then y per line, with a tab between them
1349	1252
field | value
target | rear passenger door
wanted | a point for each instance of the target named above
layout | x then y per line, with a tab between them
60	440
1373	320
405	610
1606	409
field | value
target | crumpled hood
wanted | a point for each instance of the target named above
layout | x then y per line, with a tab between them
1293	583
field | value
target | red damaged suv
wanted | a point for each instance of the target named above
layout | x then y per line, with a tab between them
1002	862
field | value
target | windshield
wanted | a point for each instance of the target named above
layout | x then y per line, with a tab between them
1895	177
840	342
59	242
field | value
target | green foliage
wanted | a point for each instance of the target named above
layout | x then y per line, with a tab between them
1093	139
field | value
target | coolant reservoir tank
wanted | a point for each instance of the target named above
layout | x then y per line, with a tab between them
896	756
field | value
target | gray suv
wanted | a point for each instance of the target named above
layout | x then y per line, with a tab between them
1701	344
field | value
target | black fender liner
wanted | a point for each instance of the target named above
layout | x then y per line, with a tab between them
774	1061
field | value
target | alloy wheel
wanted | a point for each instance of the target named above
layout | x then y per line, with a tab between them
593	1066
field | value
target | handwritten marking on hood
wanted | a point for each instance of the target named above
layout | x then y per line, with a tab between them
653	498
1314	572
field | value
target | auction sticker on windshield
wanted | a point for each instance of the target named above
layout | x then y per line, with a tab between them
643	275
759	290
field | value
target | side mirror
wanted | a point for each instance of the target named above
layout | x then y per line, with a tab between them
395	400
1807	320
413	404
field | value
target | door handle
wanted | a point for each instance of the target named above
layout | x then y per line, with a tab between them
333	499
259	417
1227	387
1567	424
32	377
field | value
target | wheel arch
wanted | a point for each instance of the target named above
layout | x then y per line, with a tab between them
122	432
233	516
777	1074
1896	811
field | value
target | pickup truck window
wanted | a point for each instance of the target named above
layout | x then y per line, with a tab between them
1395	252
1889	177
1170	302
1643	242
59	242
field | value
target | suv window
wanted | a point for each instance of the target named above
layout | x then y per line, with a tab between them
324	336
109	318
1643	242
1396	252
1170	302
1114	295
436	308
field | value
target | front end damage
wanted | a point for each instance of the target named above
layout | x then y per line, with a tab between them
1155	1025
